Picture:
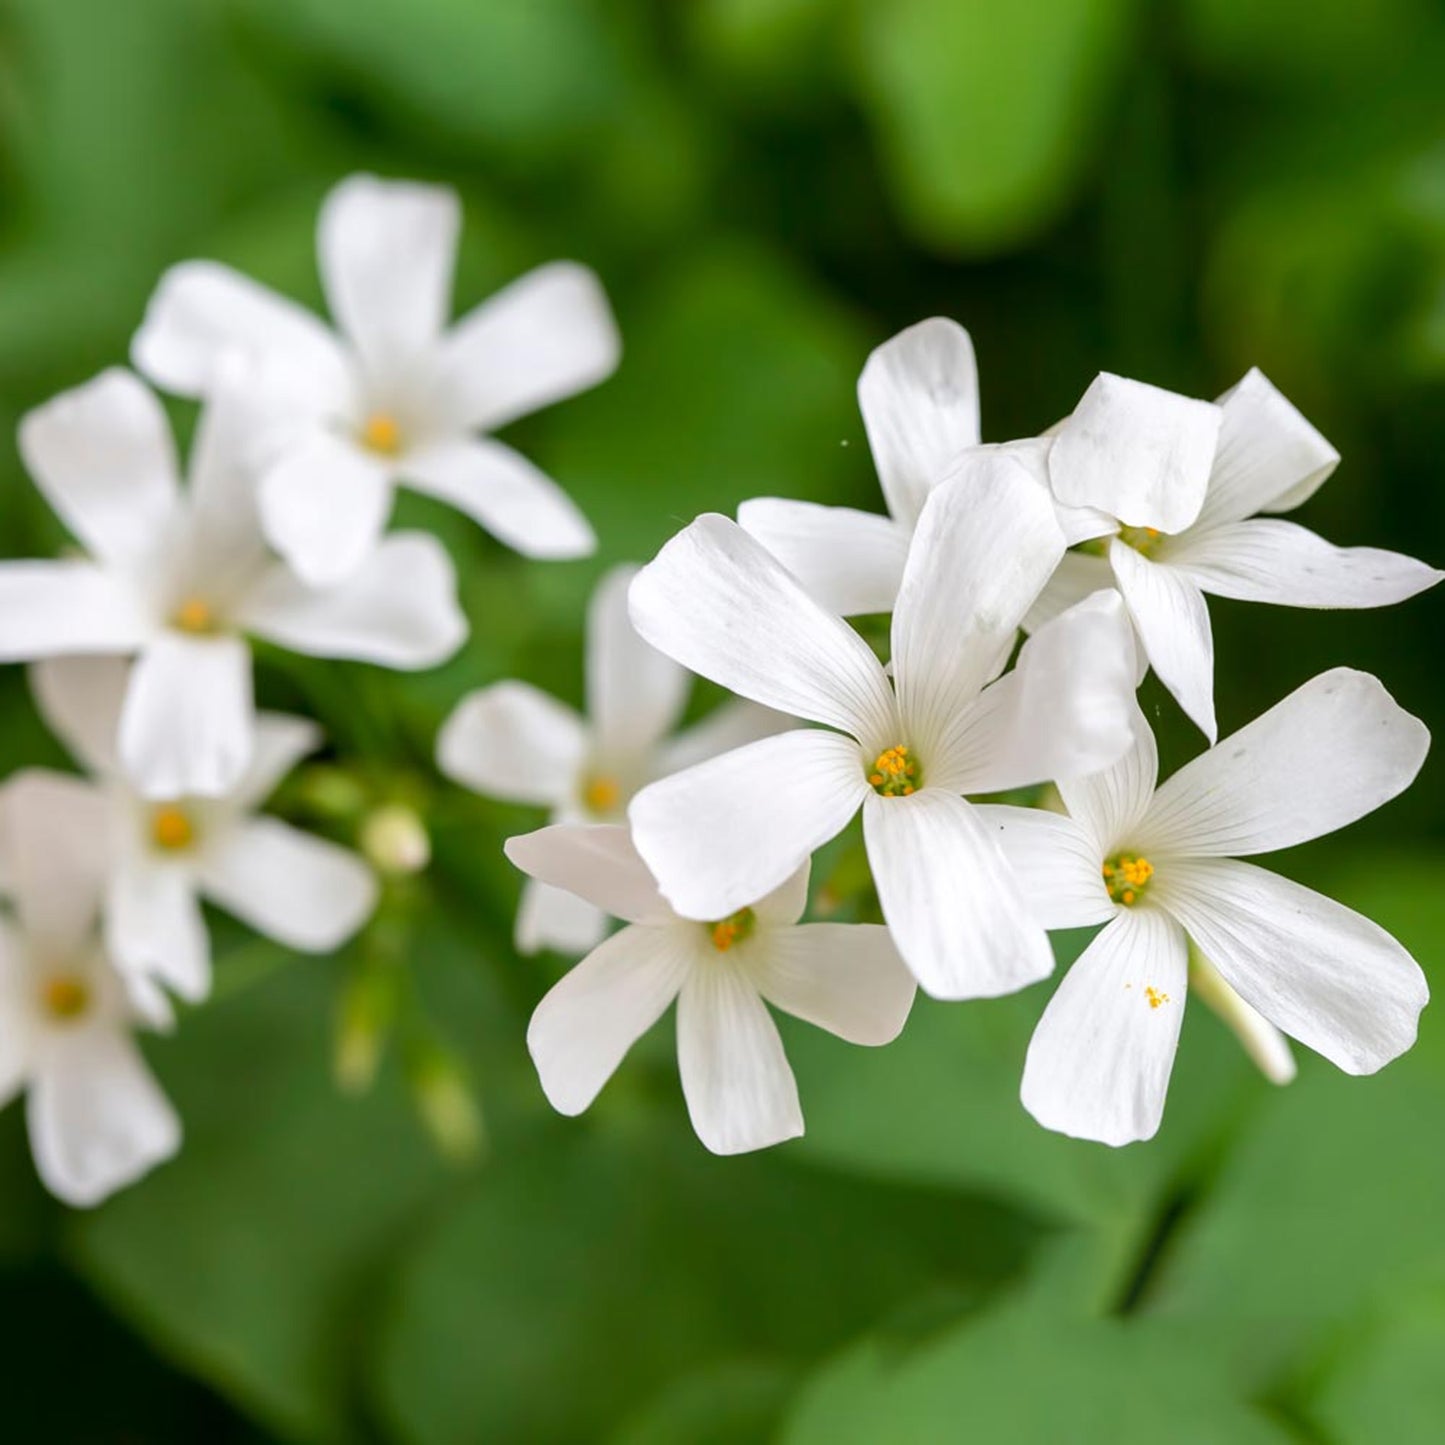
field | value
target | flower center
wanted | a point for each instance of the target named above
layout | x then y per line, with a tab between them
1126	876
381	432
1141	539
65	997
195	614
895	772
731	930
602	794
171	828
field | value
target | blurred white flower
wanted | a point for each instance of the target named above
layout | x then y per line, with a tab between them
741	1095
97	1118
724	833
395	397
514	742
1156	867
159	858
177	577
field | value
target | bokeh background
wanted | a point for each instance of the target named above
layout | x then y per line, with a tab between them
1173	191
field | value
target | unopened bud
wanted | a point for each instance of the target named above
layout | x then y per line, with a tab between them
364	1019
446	1105
395	840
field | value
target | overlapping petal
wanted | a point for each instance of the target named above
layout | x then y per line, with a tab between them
1057	864
53	608
596	862
80	699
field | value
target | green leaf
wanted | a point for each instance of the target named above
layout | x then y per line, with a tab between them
738	1402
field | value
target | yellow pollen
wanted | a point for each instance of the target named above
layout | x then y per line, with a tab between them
194	615
171	828
382	433
65	997
602	794
1154	996
731	930
895	772
1126	876
1141	539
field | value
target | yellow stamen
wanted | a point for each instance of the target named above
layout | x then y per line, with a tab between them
602	794
65	997
1154	996
728	931
1126	876
381	432
171	828
895	772
194	615
1141	539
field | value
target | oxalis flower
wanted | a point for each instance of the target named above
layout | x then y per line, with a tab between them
1157	868
97	1118
177	578
728	831
394	397
160	858
741	1095
514	742
1163	493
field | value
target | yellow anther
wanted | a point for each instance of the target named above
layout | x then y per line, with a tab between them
194	615
381	432
1126	876
171	828
1141	539
65	997
1154	996
602	794
895	772
728	931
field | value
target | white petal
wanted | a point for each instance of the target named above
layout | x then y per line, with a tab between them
1334	750
80	699
1110	804
204	316
387	250
1065	710
1269	459
188	724
1172	619
548	335
154	928
635	694
50	608
585	1025
1099	1062
1078	575
730	725
398	609
1271	561
851	561
786	903
1326	976
98	1119
550	917
513	741
843	977
1136	452
950	899
1266	1046
720	604
985	545
1056	862
105	459
740	1092
504	492
303	891
281	741
596	862
720	835
919	397
324	505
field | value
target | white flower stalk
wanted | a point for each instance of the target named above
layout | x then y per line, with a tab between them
1156	867
161	858
741	1095
97	1118
178	577
393	397
728	831
513	742
1169	490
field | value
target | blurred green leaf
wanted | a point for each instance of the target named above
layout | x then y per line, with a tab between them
734	1403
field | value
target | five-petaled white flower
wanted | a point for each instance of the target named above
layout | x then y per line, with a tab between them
175	578
1168	490
1157	868
724	833
161	857
514	742
97	1118
395	398
741	1095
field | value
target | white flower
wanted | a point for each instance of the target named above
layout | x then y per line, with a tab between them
1170	488
160	858
741	1095
728	831
395	397
514	742
176	578
96	1116
1156	867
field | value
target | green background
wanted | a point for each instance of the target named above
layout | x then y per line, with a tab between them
769	188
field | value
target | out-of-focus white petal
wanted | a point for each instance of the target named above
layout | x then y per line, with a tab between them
80	699
550	917
398	609
1136	452
1056	862
585	1025
105	459
785	904
596	862
154	928
53	608
951	901
500	489
1266	1046
548	335
740	1092
919	397
1172	620
722	605
1109	804
1333	750
1078	575
281	741
1318	970
513	741
720	835
1098	1064
730	725
188	724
